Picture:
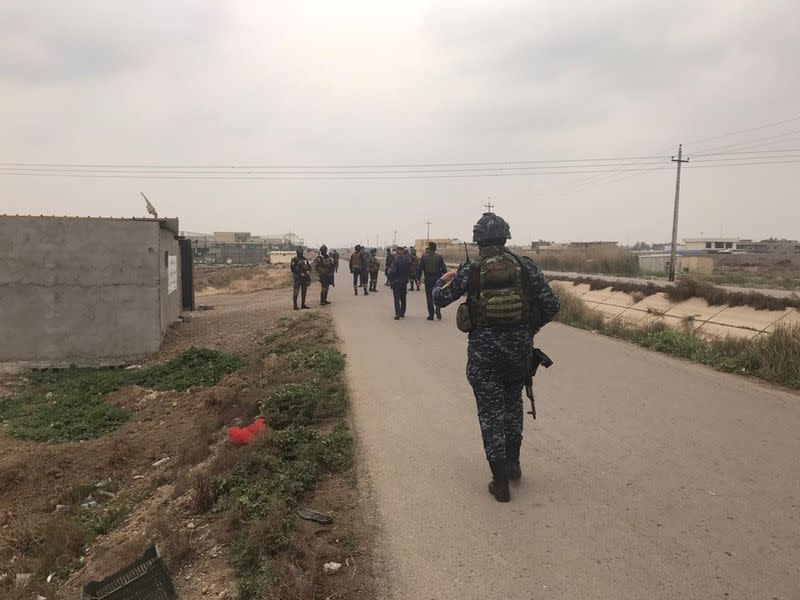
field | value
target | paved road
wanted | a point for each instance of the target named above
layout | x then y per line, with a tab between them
645	477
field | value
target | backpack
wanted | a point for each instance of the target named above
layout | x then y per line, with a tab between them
498	294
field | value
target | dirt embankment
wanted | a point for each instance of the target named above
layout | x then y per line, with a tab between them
142	501
240	279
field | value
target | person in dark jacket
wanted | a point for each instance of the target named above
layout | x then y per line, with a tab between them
432	267
508	301
399	273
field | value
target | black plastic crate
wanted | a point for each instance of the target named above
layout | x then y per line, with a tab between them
144	579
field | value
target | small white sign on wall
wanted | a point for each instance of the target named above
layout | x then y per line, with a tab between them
172	274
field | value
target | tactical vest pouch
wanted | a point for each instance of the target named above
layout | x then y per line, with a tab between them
502	306
464	318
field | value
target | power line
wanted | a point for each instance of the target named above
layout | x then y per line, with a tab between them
326	166
344	177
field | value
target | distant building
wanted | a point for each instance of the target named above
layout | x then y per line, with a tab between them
540	245
442	243
713	244
588	245
238	247
771	246
658	264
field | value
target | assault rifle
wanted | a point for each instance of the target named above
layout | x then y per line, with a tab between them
538	358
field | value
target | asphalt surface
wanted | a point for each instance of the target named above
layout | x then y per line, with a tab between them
643	477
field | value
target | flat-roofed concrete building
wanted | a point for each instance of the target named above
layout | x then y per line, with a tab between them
87	291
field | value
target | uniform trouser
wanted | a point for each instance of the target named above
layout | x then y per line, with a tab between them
360	278
500	411
429	283
373	281
400	293
300	287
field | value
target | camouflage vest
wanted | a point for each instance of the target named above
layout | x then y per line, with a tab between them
355	260
499	293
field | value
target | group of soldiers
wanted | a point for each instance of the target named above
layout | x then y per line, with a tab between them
404	270
508	300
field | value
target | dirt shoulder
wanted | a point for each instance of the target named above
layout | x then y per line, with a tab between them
184	503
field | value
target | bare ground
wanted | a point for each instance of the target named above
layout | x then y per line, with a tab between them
160	504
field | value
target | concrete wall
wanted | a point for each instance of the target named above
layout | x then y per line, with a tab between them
82	291
169	291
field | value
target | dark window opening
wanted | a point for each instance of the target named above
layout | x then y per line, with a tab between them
166	259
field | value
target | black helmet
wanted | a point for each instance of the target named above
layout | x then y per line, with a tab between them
358	247
373	251
432	246
489	228
300	250
323	249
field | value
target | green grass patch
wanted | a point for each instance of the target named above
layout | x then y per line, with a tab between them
67	405
262	490
328	362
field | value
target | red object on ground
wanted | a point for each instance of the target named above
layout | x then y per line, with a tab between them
245	435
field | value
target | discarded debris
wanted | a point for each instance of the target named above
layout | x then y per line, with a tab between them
132	367
245	435
23	579
710	493
158	463
330	568
312	515
89	504
146	577
63	508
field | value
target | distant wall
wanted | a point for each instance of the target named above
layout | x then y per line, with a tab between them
83	291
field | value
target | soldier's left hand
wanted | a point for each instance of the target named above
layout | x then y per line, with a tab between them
448	277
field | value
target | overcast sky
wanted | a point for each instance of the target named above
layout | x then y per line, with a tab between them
368	83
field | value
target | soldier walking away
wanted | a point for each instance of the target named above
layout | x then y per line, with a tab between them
389	260
335	257
399	273
374	265
325	268
432	266
414	272
508	301
301	274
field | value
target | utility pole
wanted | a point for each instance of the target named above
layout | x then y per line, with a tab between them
428	223
673	255
489	206
395	237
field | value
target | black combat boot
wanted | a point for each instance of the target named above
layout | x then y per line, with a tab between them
498	486
512	452
355	290
294	301
366	293
303	300
322	299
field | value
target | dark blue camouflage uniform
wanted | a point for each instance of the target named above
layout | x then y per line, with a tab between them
497	359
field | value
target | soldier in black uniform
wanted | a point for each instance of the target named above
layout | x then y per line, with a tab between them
335	257
389	260
325	267
432	266
508	301
399	273
301	274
